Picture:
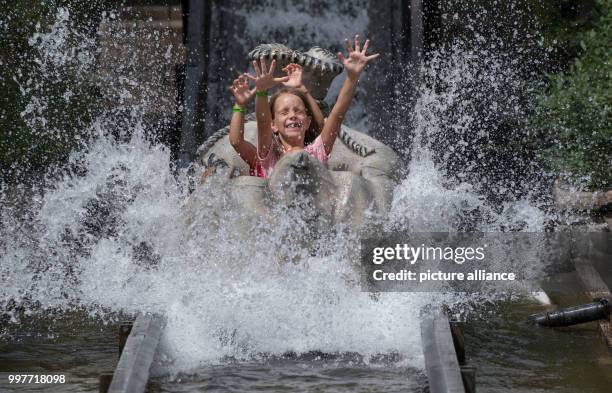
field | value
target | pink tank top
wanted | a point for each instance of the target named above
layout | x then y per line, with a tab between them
263	167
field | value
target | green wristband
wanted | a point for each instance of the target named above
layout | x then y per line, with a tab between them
263	93
238	108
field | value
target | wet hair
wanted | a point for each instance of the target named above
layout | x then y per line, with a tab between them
311	132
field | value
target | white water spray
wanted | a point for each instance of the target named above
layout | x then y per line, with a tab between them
115	237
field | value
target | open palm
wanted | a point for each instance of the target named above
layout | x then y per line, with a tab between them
240	90
294	72
264	78
357	57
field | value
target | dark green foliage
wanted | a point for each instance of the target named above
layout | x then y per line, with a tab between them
45	102
560	23
573	115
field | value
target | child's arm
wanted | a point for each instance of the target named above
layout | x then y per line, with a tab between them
263	81
240	90
294	71
354	65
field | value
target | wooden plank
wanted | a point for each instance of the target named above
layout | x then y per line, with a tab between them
104	381
591	281
595	287
132	372
565	198
458	340
468	374
124	332
441	362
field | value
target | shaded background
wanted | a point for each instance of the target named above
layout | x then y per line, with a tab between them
551	57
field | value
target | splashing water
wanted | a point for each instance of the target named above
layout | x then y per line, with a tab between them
115	236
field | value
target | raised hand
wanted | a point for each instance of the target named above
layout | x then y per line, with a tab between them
357	58
265	77
294	72
240	90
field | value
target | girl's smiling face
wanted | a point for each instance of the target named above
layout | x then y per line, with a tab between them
290	119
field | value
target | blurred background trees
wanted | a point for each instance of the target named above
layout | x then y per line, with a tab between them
573	114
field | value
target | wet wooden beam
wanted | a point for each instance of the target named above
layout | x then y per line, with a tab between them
567	199
595	287
458	340
468	375
104	381
124	332
441	362
587	248
132	372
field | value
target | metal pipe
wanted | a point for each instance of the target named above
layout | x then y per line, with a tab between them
599	309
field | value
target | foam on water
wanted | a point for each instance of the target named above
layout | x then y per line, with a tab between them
116	237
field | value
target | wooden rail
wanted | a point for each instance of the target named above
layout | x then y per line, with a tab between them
594	287
444	350
132	372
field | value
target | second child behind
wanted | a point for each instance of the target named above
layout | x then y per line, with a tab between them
290	122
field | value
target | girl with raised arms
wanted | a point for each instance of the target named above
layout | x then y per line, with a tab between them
291	120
